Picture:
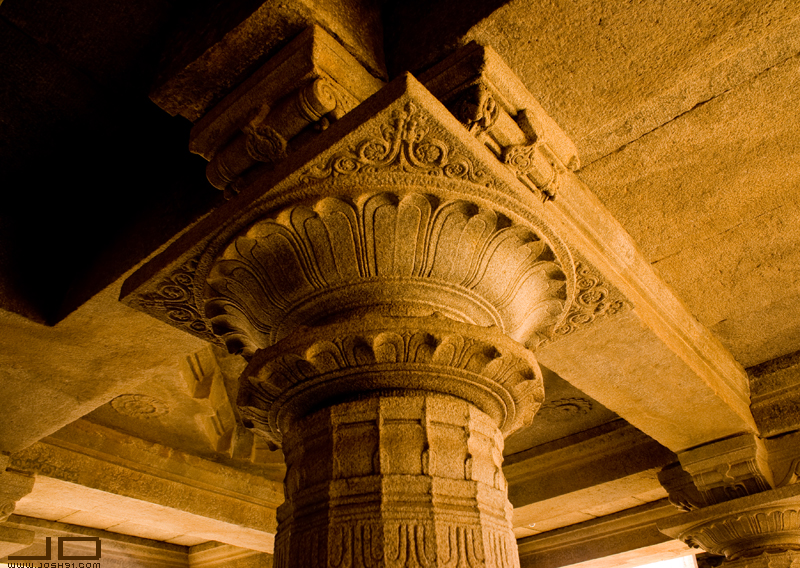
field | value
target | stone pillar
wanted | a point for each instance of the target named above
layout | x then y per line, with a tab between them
757	531
734	507
386	280
13	486
393	434
403	480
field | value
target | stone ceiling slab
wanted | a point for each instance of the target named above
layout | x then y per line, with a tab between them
713	200
610	72
53	376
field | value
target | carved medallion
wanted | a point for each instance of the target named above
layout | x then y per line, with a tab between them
565	409
139	406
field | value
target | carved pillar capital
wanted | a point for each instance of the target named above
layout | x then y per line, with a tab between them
318	366
386	284
744	529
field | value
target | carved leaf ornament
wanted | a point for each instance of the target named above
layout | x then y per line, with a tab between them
454	257
404	145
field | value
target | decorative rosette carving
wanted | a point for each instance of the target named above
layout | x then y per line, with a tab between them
593	299
317	365
139	406
565	409
410	253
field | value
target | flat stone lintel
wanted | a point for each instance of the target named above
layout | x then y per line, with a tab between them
655	366
627	536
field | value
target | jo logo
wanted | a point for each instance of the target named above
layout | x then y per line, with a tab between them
61	555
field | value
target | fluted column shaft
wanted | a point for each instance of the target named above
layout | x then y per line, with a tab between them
396	480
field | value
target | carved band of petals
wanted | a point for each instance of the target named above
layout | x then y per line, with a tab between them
748	533
305	262
476	364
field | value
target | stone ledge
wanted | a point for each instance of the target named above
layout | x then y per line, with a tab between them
599	455
614	534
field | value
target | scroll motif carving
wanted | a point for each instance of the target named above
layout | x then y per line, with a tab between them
331	255
405	144
174	298
593	300
477	109
266	137
6	509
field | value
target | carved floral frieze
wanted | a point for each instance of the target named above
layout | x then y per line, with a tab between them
593	299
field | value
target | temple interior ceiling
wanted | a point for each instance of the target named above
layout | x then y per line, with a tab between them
684	116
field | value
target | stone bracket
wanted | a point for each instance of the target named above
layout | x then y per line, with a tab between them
223	425
13	486
313	80
775	400
496	107
729	469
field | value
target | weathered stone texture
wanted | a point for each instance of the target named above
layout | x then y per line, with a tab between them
712	195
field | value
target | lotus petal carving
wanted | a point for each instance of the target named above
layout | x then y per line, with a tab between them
409	253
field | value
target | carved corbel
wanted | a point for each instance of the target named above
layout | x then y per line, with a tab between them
266	137
497	108
680	488
729	469
223	425
534	162
477	109
312	81
13	486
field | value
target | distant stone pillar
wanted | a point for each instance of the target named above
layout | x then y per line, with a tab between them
13	486
734	507
757	531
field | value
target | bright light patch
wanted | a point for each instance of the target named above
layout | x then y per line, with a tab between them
682	562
